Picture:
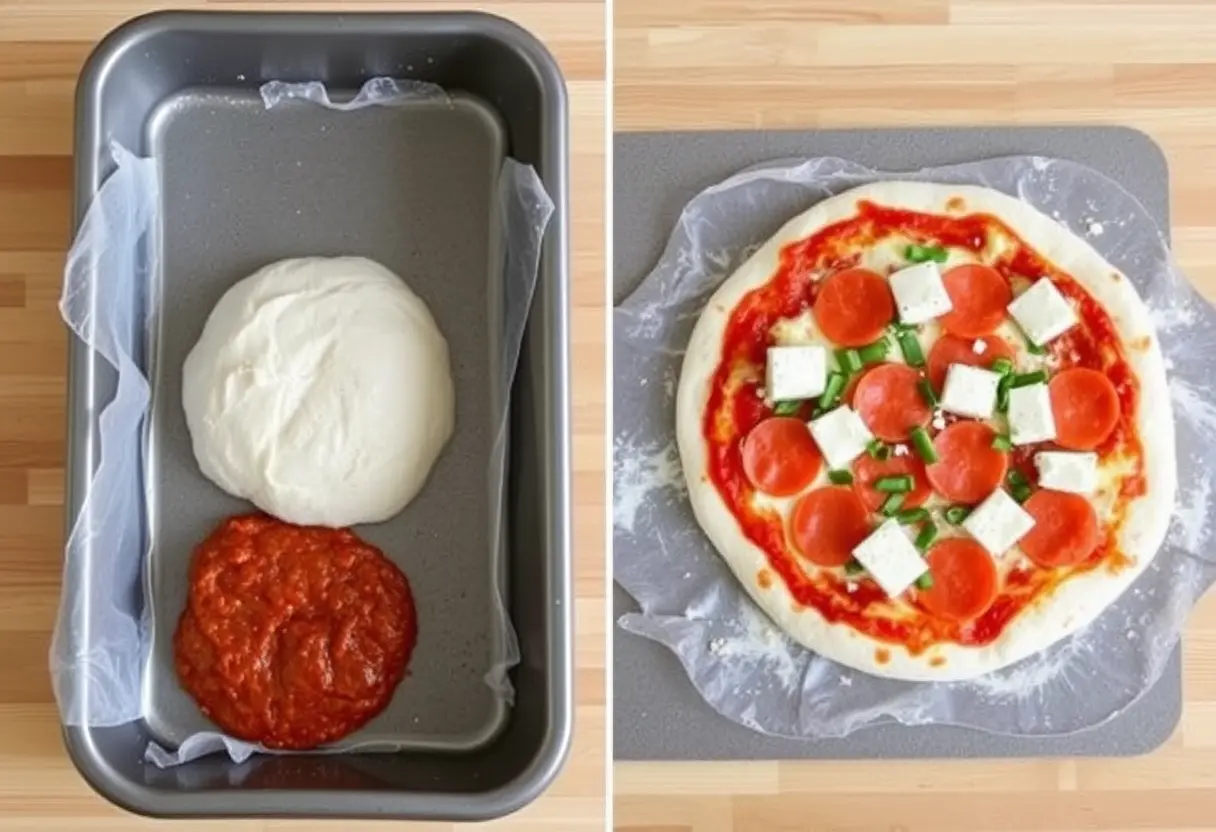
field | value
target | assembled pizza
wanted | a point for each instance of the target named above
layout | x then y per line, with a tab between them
928	428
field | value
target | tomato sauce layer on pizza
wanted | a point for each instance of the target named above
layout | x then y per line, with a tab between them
928	429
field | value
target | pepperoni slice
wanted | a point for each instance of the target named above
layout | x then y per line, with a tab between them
780	457
979	295
953	349
1065	528
964	580
853	307
827	525
867	470
890	404
1085	406
968	468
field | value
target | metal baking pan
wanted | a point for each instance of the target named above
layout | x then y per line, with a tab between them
414	188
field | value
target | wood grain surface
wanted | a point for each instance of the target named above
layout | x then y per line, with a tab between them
42	45
703	64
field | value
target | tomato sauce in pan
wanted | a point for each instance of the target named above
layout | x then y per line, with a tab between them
292	636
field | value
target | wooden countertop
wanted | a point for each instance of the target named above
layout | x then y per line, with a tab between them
703	64
42	45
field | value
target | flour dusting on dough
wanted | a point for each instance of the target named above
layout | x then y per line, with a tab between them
639	472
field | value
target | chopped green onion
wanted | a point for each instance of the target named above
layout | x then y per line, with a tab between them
894	485
912	515
919	254
840	477
877	450
928	534
1020	492
957	514
786	408
1002	443
875	352
854	567
925	581
1016	477
909	345
849	361
898	328
1027	379
924	445
1002	366
1002	394
831	393
926	392
891	505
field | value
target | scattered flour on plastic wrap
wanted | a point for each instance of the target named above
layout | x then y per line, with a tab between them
690	600
107	256
638	473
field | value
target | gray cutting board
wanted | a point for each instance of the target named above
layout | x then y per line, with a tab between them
658	715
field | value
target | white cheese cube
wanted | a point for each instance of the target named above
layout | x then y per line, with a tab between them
970	391
1030	418
920	295
891	558
1075	471
1042	312
998	523
841	435
795	373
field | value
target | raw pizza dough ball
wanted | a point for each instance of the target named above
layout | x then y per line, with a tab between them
321	391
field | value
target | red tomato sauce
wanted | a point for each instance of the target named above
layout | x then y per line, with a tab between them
734	408
292	636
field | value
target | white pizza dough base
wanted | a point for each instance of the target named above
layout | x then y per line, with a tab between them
320	391
1075	603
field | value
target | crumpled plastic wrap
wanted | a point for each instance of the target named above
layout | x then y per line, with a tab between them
101	634
743	666
98	635
382	92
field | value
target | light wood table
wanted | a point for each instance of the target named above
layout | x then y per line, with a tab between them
703	64
42	45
